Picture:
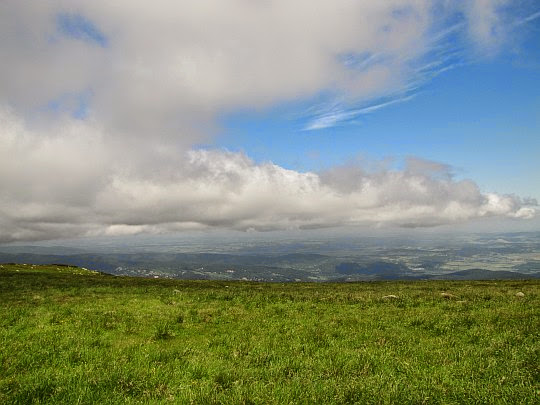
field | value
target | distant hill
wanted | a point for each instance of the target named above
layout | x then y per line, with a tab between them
282	267
483	274
378	270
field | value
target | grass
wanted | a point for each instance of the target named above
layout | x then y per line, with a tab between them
74	336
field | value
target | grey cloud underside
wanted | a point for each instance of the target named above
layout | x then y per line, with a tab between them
75	183
150	81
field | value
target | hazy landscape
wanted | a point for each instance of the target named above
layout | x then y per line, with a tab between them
328	258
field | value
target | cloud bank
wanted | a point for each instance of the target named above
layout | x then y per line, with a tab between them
101	104
75	182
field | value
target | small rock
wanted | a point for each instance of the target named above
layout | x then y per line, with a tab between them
390	297
520	294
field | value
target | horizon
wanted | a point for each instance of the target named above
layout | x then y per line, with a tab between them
278	119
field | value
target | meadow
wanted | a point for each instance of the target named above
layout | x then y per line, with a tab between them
69	335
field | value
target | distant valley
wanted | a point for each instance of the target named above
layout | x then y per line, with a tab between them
474	257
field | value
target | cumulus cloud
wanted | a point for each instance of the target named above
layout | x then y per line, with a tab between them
74	182
101	104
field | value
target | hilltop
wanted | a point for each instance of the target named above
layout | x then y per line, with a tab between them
73	335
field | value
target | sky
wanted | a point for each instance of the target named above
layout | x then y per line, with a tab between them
168	117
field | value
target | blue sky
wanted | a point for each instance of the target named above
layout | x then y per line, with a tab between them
78	27
482	118
166	117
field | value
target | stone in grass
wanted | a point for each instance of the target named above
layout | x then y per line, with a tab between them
447	296
390	297
520	294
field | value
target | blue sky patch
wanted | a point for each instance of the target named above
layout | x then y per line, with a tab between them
74	104
81	28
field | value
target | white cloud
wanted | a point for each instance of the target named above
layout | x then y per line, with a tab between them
484	23
73	182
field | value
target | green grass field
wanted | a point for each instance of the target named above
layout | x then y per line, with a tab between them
73	336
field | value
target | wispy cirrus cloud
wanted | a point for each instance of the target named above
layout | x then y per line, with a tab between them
442	51
446	45
341	115
527	19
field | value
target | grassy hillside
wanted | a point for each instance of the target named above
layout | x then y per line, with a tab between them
73	336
